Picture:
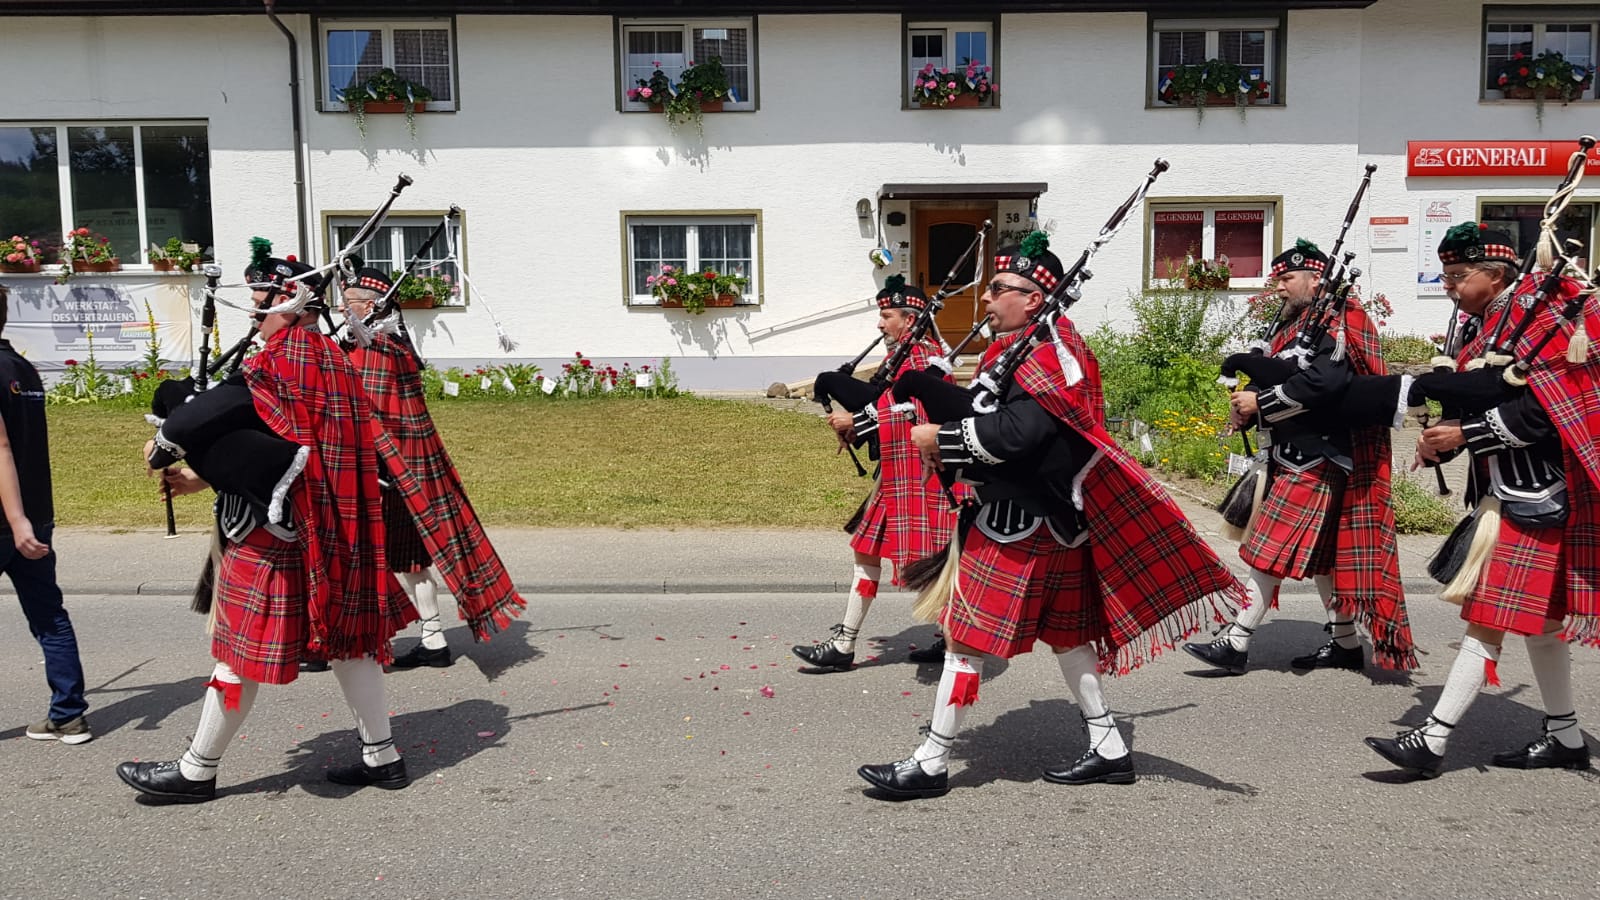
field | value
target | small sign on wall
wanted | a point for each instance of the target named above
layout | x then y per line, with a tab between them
1389	232
1436	218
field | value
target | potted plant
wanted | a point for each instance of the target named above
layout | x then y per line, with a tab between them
719	290
966	87
421	291
1206	274
678	290
177	254
1548	76
22	254
384	91
700	89
86	251
1215	82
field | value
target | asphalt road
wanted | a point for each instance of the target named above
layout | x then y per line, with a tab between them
615	745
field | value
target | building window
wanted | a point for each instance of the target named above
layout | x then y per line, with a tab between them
1242	230
422	51
1520	220
948	45
675	46
134	184
1510	31
1254	45
727	242
398	240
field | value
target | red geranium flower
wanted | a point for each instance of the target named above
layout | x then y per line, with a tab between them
72	362
587	365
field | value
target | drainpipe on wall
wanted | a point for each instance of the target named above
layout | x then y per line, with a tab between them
299	150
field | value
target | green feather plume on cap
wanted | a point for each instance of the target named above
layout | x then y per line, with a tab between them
1034	244
895	283
1305	246
260	252
1465	232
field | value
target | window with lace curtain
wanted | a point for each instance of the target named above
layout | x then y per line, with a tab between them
401	236
1254	45
420	50
648	45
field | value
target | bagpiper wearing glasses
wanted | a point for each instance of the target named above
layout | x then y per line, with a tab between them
1069	542
1327	512
906	517
449	537
1527	560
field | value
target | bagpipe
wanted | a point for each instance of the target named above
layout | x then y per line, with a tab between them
221	438
854	394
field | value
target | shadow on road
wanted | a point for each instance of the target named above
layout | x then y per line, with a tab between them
1280	640
146	705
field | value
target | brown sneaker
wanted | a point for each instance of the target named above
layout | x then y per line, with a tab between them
72	731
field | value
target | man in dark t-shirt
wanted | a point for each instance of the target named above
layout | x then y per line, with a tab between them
25	553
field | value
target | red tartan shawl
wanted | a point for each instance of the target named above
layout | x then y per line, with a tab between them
1570	393
1366	570
1154	578
918	519
305	390
445	520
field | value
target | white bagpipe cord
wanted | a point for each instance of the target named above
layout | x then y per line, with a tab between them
506	343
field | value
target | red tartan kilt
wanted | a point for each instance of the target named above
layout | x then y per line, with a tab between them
402	545
1523	584
1010	595
261	608
1295	533
872	534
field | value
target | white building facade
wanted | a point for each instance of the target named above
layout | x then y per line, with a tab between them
174	119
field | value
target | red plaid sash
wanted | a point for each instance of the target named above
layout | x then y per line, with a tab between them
444	517
1156	580
1366	569
304	388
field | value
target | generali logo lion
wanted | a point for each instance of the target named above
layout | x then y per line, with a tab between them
1429	157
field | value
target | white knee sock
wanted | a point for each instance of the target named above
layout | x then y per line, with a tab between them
425	597
1344	632
361	680
1080	667
1244	625
863	588
1551	659
958	690
1467	677
228	700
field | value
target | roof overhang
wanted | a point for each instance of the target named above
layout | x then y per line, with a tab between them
401	8
972	190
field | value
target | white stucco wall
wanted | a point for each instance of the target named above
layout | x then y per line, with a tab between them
542	162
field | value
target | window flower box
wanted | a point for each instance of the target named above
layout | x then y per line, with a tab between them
700	89
966	87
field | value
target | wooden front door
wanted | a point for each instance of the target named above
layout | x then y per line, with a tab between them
940	236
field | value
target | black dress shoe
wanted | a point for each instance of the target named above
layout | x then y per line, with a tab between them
1220	653
389	776
1331	656
420	656
1092	768
933	653
314	665
1409	751
165	780
824	656
906	780
1544	753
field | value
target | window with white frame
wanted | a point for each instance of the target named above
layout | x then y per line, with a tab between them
422	51
1251	44
134	184
692	243
948	45
1241	231
1516	33
398	240
675	46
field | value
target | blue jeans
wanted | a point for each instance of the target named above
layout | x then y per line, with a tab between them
35	581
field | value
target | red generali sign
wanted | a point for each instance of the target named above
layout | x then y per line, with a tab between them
1457	158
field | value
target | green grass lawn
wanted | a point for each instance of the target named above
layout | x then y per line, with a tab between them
607	462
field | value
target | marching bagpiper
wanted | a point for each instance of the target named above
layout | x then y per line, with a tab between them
1326	512
1527	560
450	537
906	517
